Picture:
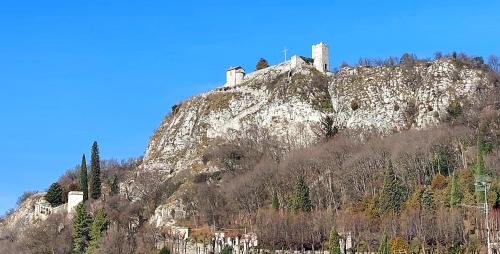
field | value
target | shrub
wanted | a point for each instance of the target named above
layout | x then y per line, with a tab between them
164	250
261	64
354	104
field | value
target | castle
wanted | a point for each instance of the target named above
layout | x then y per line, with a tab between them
320	60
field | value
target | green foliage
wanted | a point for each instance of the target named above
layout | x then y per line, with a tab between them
327	127
164	250
455	109
481	173
227	250
113	185
333	242
276	202
261	64
54	195
440	162
95	173
301	200
427	200
384	247
84	185
81	229
456	194
99	225
393	192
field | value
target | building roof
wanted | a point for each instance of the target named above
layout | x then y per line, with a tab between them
236	68
307	59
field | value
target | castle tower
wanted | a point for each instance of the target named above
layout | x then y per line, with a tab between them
321	57
234	76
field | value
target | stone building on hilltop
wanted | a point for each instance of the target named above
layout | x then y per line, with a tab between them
320	61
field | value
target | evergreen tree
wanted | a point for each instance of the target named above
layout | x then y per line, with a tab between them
54	195
333	242
164	250
84	185
99	225
276	202
95	173
427	200
261	64
481	173
301	200
113	185
327	127
384	247
456	194
81	229
393	192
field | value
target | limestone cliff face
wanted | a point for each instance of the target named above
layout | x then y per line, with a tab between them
287	103
388	99
290	102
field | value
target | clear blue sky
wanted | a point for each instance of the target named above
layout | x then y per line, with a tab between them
76	71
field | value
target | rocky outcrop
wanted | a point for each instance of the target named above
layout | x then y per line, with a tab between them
287	103
387	99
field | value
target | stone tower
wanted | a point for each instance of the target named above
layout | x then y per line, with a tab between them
321	57
234	76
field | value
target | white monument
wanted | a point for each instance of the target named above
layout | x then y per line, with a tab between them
321	57
234	76
74	198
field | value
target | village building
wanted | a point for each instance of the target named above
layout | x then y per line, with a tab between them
74	198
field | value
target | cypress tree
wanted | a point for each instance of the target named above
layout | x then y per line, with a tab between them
384	246
456	194
276	202
99	225
54	195
81	229
393	192
333	242
84	185
95	173
301	200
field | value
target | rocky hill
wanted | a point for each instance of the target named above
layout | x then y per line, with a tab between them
290	103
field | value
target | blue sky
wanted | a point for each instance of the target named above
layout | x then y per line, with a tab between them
72	72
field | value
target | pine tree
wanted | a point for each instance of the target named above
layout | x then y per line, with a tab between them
456	194
333	242
54	195
384	247
261	64
81	229
327	127
276	202
84	185
427	200
95	173
99	225
113	185
393	192
301	200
